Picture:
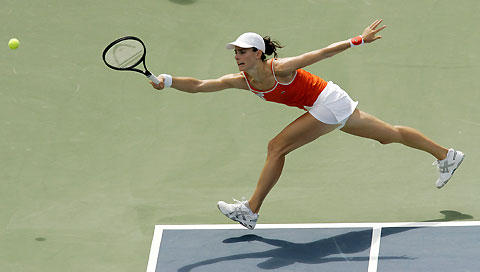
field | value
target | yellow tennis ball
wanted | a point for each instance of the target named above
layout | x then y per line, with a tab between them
13	43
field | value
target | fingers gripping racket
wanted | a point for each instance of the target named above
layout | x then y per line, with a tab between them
125	54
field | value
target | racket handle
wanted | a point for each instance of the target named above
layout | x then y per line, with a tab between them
154	79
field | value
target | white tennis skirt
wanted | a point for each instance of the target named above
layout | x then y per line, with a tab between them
333	106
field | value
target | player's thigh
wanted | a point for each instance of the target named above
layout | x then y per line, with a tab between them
368	126
303	130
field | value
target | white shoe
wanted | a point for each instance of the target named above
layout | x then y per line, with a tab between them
239	212
447	166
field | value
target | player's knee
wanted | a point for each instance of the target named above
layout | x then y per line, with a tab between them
385	141
393	136
276	148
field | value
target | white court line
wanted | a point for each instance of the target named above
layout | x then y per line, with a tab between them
324	225
374	250
155	249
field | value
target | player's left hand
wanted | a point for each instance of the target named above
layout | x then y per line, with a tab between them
369	34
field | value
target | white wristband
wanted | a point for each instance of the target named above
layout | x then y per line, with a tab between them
356	41
167	80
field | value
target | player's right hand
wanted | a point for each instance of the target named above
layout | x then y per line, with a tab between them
160	85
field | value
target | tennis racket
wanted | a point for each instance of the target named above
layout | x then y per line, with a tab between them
125	54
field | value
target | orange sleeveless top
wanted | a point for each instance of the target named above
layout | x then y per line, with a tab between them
302	91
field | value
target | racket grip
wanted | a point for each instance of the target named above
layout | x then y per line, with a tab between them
154	79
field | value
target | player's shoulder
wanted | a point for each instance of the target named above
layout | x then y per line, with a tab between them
235	76
235	80
283	67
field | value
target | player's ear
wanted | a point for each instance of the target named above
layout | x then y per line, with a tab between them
258	54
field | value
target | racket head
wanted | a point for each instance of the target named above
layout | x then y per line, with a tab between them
125	54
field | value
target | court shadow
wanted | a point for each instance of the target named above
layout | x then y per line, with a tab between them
451	216
183	2
288	253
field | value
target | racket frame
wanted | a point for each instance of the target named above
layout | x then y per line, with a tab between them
131	67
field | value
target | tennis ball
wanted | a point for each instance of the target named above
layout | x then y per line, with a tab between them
13	43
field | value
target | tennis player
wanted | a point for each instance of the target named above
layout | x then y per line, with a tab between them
328	107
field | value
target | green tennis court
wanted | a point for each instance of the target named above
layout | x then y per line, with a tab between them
93	159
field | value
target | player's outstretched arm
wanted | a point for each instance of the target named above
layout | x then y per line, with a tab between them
193	85
289	65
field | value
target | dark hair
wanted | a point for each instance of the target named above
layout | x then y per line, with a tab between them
270	47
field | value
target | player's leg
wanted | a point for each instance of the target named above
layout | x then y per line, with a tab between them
300	132
365	125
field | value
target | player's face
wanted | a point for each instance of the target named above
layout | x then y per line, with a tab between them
245	58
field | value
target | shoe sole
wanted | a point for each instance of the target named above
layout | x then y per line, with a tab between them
453	172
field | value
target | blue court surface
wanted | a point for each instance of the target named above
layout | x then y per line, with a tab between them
369	247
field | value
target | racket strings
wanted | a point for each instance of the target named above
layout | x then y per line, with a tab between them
125	54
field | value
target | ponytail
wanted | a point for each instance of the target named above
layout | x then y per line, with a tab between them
270	48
